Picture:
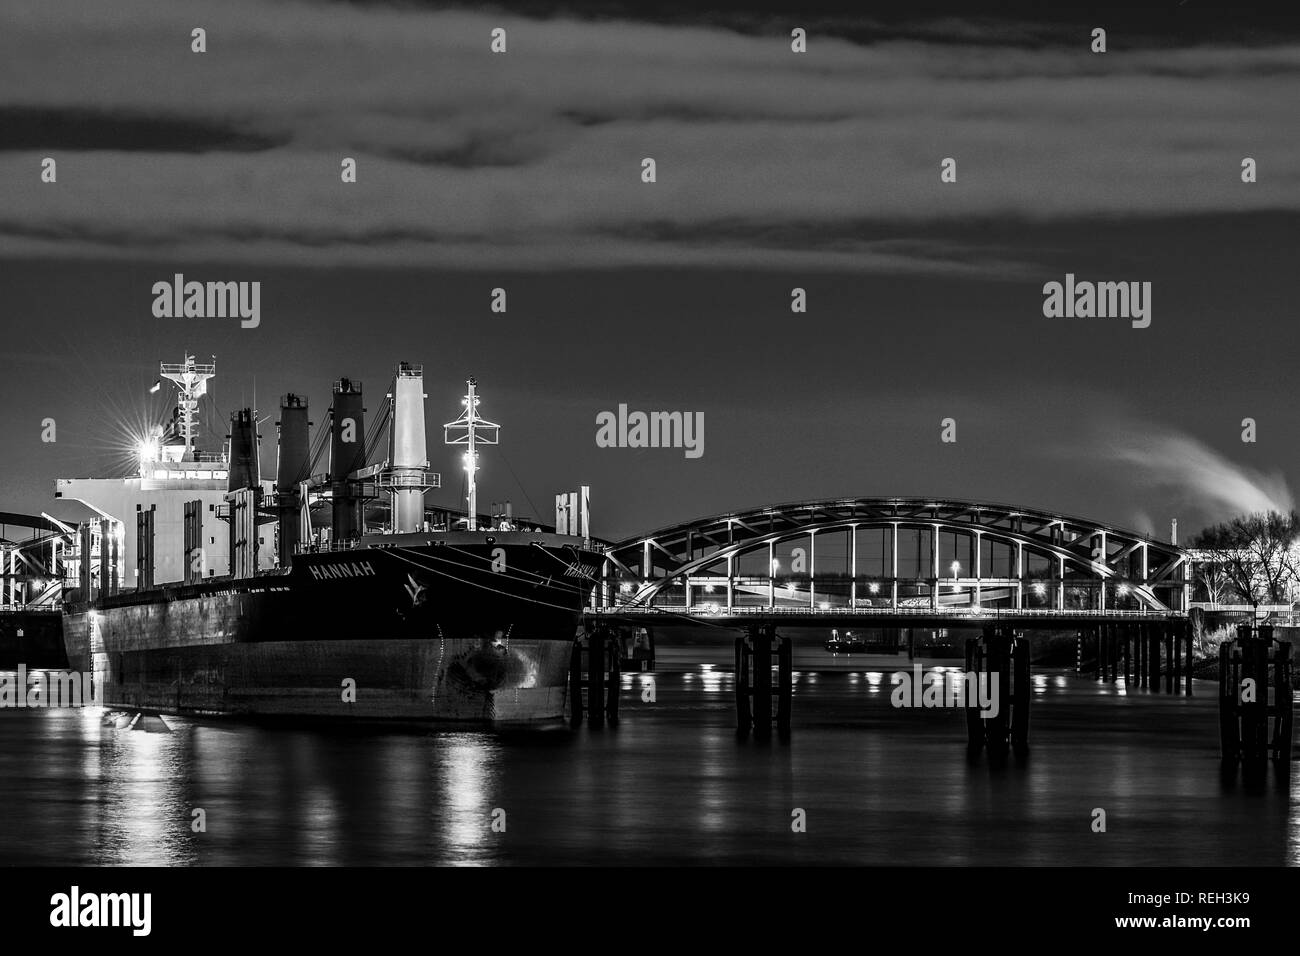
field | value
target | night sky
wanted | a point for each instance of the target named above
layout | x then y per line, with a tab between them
775	170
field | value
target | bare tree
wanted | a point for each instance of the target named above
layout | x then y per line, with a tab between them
1254	555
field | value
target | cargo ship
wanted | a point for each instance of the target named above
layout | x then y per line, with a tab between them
392	612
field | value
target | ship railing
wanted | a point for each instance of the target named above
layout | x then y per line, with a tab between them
347	544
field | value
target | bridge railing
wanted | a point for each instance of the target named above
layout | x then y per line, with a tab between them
699	610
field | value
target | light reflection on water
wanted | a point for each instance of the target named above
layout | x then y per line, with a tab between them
670	783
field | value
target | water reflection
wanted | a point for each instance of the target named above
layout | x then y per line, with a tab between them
672	783
465	770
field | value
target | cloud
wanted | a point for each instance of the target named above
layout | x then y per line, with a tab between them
532	158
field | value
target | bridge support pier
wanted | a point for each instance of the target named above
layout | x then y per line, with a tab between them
1176	657
1128	656
1187	639
754	690
1159	660
1151	653
600	684
1118	644
998	664
1099	669
1170	657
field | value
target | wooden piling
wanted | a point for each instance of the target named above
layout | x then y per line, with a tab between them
1229	732
615	682
1283	696
1099	668
1128	662
1170	649
1114	652
1021	694
761	680
743	718
1157	644
1175	657
596	679
998	663
575	683
784	684
975	723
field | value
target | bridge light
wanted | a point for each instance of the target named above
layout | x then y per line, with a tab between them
873	587
625	588
825	605
708	589
776	565
1039	589
1122	589
956	566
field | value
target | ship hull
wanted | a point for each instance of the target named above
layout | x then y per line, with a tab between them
459	630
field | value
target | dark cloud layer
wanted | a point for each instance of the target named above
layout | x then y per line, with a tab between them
774	170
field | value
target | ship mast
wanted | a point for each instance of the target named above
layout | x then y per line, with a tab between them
471	430
191	382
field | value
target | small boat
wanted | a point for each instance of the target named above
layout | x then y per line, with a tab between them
846	644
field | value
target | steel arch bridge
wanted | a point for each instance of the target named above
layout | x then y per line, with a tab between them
894	557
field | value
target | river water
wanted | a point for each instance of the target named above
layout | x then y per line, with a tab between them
671	783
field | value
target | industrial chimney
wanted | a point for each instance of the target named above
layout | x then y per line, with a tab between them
292	466
245	469
1173	532
243	493
408	460
347	454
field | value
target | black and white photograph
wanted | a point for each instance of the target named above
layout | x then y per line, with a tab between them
705	440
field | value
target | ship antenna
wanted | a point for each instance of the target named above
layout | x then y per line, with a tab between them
471	430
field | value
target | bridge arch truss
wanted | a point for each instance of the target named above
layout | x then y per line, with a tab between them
895	555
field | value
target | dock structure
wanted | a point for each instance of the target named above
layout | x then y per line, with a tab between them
1255	700
755	692
594	676
999	660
